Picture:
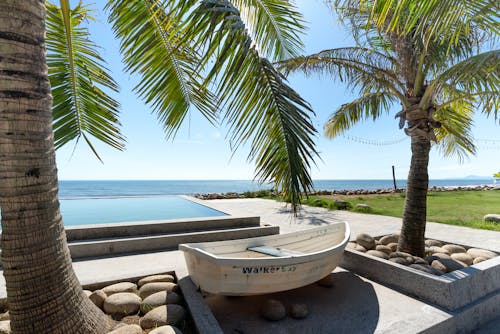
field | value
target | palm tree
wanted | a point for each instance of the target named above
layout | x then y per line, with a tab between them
169	44
437	75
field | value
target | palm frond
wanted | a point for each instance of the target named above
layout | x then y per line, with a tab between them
154	48
274	25
368	106
444	20
480	73
79	81
363	68
455	135
260	106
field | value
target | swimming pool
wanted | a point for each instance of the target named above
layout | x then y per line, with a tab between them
128	209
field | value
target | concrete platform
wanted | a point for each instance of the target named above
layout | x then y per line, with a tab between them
354	305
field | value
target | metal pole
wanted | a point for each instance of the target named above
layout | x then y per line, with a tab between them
394	178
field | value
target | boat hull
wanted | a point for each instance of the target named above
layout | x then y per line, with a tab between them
243	277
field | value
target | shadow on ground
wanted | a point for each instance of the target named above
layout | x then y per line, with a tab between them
351	306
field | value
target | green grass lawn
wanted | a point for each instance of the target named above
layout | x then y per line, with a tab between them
464	208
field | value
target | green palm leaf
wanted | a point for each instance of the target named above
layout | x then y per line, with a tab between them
155	49
368	106
275	25
366	69
479	73
260	106
79	81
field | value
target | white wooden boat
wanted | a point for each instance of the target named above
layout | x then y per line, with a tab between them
266	264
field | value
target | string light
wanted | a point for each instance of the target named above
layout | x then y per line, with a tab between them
484	144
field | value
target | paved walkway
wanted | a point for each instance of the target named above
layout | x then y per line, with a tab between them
344	305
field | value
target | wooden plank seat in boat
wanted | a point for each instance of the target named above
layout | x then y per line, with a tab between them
274	251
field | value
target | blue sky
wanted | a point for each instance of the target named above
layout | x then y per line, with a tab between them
201	151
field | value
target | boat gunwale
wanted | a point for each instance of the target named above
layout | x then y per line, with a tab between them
194	249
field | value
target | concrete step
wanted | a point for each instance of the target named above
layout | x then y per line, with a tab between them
143	243
132	229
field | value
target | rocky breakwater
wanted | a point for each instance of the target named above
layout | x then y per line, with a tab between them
440	257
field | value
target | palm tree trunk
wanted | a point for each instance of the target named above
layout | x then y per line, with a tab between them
412	235
43	292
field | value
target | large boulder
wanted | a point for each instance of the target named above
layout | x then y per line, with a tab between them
366	240
120	287
493	218
163	315
155	278
122	303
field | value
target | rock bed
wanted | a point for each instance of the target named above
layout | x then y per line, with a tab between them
153	305
233	195
440	257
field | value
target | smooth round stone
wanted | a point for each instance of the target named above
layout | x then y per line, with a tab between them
364	207
410	259
435	249
158	299
478	252
419	260
127	329
360	248
120	287
399	254
273	310
454	249
492	218
478	260
383	248
351	245
326	281
97	297
430	258
389	239
441	255
400	260
366	240
123	303
163	315
298	311
379	254
166	330
432	242
87	292
449	265
148	289
155	278
436	264
5	327
5	316
393	246
463	257
426	268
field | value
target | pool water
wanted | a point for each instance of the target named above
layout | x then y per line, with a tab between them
128	209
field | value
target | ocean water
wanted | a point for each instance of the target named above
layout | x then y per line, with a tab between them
98	189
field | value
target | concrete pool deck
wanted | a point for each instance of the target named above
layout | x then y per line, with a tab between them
354	305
